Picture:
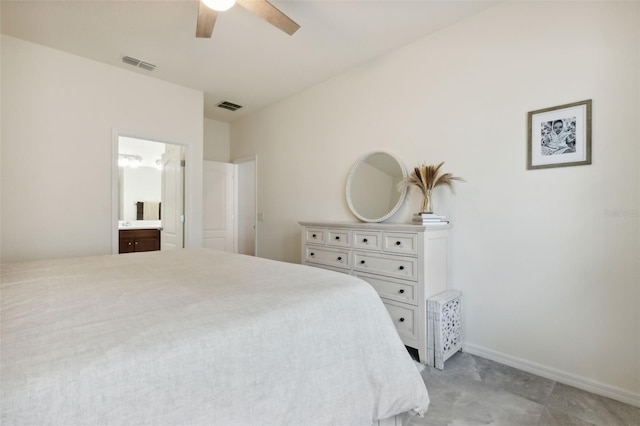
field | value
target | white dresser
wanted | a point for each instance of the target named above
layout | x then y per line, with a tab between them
406	264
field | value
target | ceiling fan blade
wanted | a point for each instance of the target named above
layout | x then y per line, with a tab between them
206	21
271	14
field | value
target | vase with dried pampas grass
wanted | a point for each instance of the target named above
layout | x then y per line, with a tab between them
426	178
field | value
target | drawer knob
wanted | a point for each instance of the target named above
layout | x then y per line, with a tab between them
401	319
398	243
362	262
339	258
338	237
365	240
312	254
401	291
314	235
129	242
401	267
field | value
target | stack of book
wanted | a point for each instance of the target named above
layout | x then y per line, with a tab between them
429	219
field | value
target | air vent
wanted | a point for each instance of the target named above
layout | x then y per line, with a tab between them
147	66
138	63
229	105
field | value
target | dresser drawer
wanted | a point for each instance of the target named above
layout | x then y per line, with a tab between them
327	256
401	243
404	318
328	268
367	240
389	288
338	238
392	266
315	236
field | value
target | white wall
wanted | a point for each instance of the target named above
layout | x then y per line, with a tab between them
216	141
59	112
547	265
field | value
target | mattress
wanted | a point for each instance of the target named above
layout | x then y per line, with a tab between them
197	336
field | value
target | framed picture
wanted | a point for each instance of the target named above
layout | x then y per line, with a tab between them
560	136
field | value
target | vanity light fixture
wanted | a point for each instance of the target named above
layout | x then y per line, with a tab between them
159	164
126	160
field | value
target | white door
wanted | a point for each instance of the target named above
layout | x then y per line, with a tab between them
247	206
172	207
219	206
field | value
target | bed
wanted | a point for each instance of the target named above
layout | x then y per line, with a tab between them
198	337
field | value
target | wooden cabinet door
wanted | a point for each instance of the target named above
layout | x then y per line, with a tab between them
126	245
146	244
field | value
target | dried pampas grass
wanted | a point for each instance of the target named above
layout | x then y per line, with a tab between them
426	178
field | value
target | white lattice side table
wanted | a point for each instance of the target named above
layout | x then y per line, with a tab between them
444	327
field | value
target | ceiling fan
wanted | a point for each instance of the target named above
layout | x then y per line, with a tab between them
208	12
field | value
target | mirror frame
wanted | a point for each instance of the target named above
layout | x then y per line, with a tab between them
354	169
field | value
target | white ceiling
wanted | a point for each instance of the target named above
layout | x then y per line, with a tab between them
247	61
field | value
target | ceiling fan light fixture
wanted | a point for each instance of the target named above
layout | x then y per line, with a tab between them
219	5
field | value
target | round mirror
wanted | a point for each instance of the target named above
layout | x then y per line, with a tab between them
372	187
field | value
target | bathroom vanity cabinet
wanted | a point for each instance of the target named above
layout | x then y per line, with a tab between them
136	240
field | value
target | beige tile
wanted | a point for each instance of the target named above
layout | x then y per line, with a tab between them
476	391
500	376
459	401
592	408
551	417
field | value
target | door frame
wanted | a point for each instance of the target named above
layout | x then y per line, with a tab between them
116	134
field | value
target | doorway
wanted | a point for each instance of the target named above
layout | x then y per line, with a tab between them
149	189
229	206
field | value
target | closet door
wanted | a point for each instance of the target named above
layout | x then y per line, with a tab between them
246	214
218	222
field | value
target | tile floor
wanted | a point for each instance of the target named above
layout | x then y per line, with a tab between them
476	391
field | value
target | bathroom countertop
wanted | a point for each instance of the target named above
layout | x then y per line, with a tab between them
139	224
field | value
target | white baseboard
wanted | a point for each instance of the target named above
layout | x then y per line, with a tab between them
554	374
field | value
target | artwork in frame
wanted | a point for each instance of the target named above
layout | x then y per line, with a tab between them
560	136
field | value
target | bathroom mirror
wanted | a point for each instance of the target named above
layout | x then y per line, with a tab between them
139	178
372	187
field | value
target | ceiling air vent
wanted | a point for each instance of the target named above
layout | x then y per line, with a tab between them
147	66
229	105
138	63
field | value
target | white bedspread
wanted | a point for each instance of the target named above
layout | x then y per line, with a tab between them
194	337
